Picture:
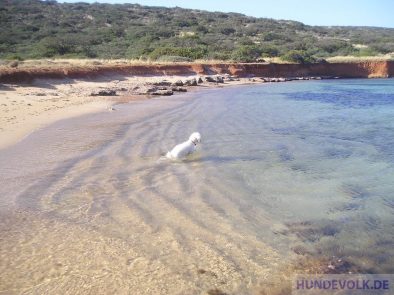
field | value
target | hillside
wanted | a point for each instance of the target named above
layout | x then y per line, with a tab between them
31	29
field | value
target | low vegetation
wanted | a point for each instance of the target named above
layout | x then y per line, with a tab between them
34	29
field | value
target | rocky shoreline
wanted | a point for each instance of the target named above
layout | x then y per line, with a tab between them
166	88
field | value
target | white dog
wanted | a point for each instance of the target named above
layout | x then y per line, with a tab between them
185	148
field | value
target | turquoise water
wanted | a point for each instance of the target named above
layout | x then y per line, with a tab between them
287	172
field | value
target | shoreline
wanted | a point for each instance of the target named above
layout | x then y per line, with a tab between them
35	95
26	107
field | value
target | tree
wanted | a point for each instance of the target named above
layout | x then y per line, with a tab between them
298	56
246	53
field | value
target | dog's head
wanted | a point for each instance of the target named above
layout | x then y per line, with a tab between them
195	138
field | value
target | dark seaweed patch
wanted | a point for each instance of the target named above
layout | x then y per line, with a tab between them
389	202
337	153
299	168
202	271
312	232
372	222
351	206
355	191
327	265
216	291
354	98
338	266
284	153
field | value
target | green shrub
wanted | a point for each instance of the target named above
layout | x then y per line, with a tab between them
383	47
366	52
189	52
298	56
269	50
246	53
169	58
227	31
15	57
56	46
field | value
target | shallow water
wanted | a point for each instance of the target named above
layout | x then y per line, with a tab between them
286	172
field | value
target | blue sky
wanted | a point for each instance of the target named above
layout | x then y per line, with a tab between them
312	12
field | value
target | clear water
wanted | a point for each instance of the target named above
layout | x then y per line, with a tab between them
288	176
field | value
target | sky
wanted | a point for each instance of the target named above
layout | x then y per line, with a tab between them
378	13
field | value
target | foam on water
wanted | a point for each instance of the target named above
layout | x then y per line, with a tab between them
285	171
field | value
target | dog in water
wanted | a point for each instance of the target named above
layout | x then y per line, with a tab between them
185	148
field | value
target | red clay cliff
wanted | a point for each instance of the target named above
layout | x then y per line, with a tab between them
367	69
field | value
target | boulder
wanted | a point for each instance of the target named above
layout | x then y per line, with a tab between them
191	82
214	79
39	93
209	79
178	83
148	90
142	90
163	92
200	80
178	89
234	77
161	88
104	92
162	83
219	79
